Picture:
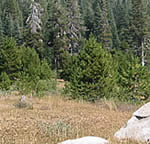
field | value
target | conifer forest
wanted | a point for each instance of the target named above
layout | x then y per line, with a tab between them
100	48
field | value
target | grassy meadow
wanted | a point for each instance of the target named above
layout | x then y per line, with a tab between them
54	119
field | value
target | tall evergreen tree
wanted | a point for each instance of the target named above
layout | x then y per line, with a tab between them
25	9
106	34
121	11
10	58
75	25
112	22
11	16
1	29
56	31
84	5
88	15
1	24
139	28
33	31
98	21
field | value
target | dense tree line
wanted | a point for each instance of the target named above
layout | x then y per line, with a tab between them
101	47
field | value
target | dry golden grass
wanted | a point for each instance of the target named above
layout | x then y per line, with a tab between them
54	119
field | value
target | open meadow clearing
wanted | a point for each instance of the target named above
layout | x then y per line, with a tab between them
54	119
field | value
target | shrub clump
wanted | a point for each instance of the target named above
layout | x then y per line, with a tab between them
22	67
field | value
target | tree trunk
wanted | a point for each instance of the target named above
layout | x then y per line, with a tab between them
143	53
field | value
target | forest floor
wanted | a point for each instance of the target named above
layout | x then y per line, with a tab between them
54	119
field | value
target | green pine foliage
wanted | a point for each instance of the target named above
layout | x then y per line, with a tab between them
89	20
139	28
10	58
67	65
33	35
5	82
45	71
98	22
112	22
21	66
106	33
75	24
34	40
31	63
56	32
134	79
93	74
12	20
121	13
36	76
1	29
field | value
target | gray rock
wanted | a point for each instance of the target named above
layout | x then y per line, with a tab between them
144	111
23	99
86	140
138	127
24	102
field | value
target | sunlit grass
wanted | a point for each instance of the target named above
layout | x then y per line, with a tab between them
54	119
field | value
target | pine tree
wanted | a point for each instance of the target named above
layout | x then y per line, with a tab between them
10	58
98	21
67	63
11	15
35	75
31	64
1	29
1	23
33	31
121	11
56	32
148	11
139	28
133	78
18	32
106	34
84	6
88	16
103	15
93	75
112	22
24	6
75	25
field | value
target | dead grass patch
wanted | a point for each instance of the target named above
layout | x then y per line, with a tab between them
54	119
